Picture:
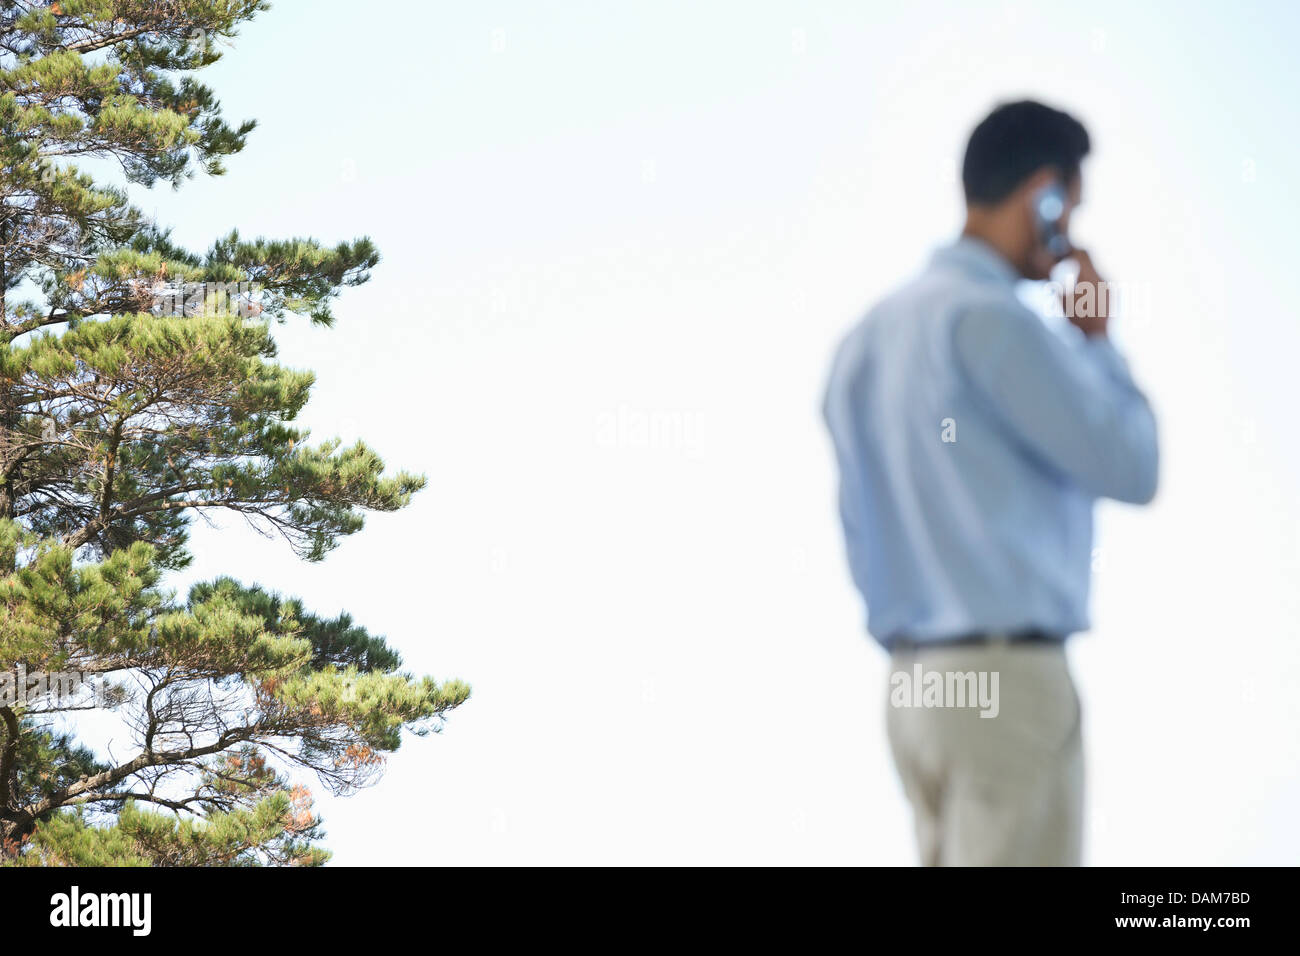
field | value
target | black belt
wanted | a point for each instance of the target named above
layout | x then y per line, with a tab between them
1033	636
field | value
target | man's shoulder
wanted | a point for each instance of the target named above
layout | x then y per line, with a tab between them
932	296
880	331
929	302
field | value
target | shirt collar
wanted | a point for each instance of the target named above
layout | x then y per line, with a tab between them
975	256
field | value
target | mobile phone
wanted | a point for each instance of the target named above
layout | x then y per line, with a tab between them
1049	213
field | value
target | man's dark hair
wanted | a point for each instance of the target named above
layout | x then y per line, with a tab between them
1013	142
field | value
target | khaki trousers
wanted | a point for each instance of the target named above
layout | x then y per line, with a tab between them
993	791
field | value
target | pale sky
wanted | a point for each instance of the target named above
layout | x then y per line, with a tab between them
620	242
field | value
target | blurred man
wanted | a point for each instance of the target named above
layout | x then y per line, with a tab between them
972	441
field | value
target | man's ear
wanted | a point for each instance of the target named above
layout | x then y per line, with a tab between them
1041	177
1074	188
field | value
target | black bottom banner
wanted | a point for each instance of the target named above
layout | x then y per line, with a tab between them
1223	907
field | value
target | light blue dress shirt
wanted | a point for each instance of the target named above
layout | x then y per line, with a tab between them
972	441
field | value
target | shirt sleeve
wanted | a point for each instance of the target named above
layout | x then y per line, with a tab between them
1076	408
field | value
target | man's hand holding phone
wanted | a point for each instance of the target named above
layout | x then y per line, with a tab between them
1086	303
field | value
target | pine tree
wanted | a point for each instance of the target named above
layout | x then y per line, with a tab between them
139	388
